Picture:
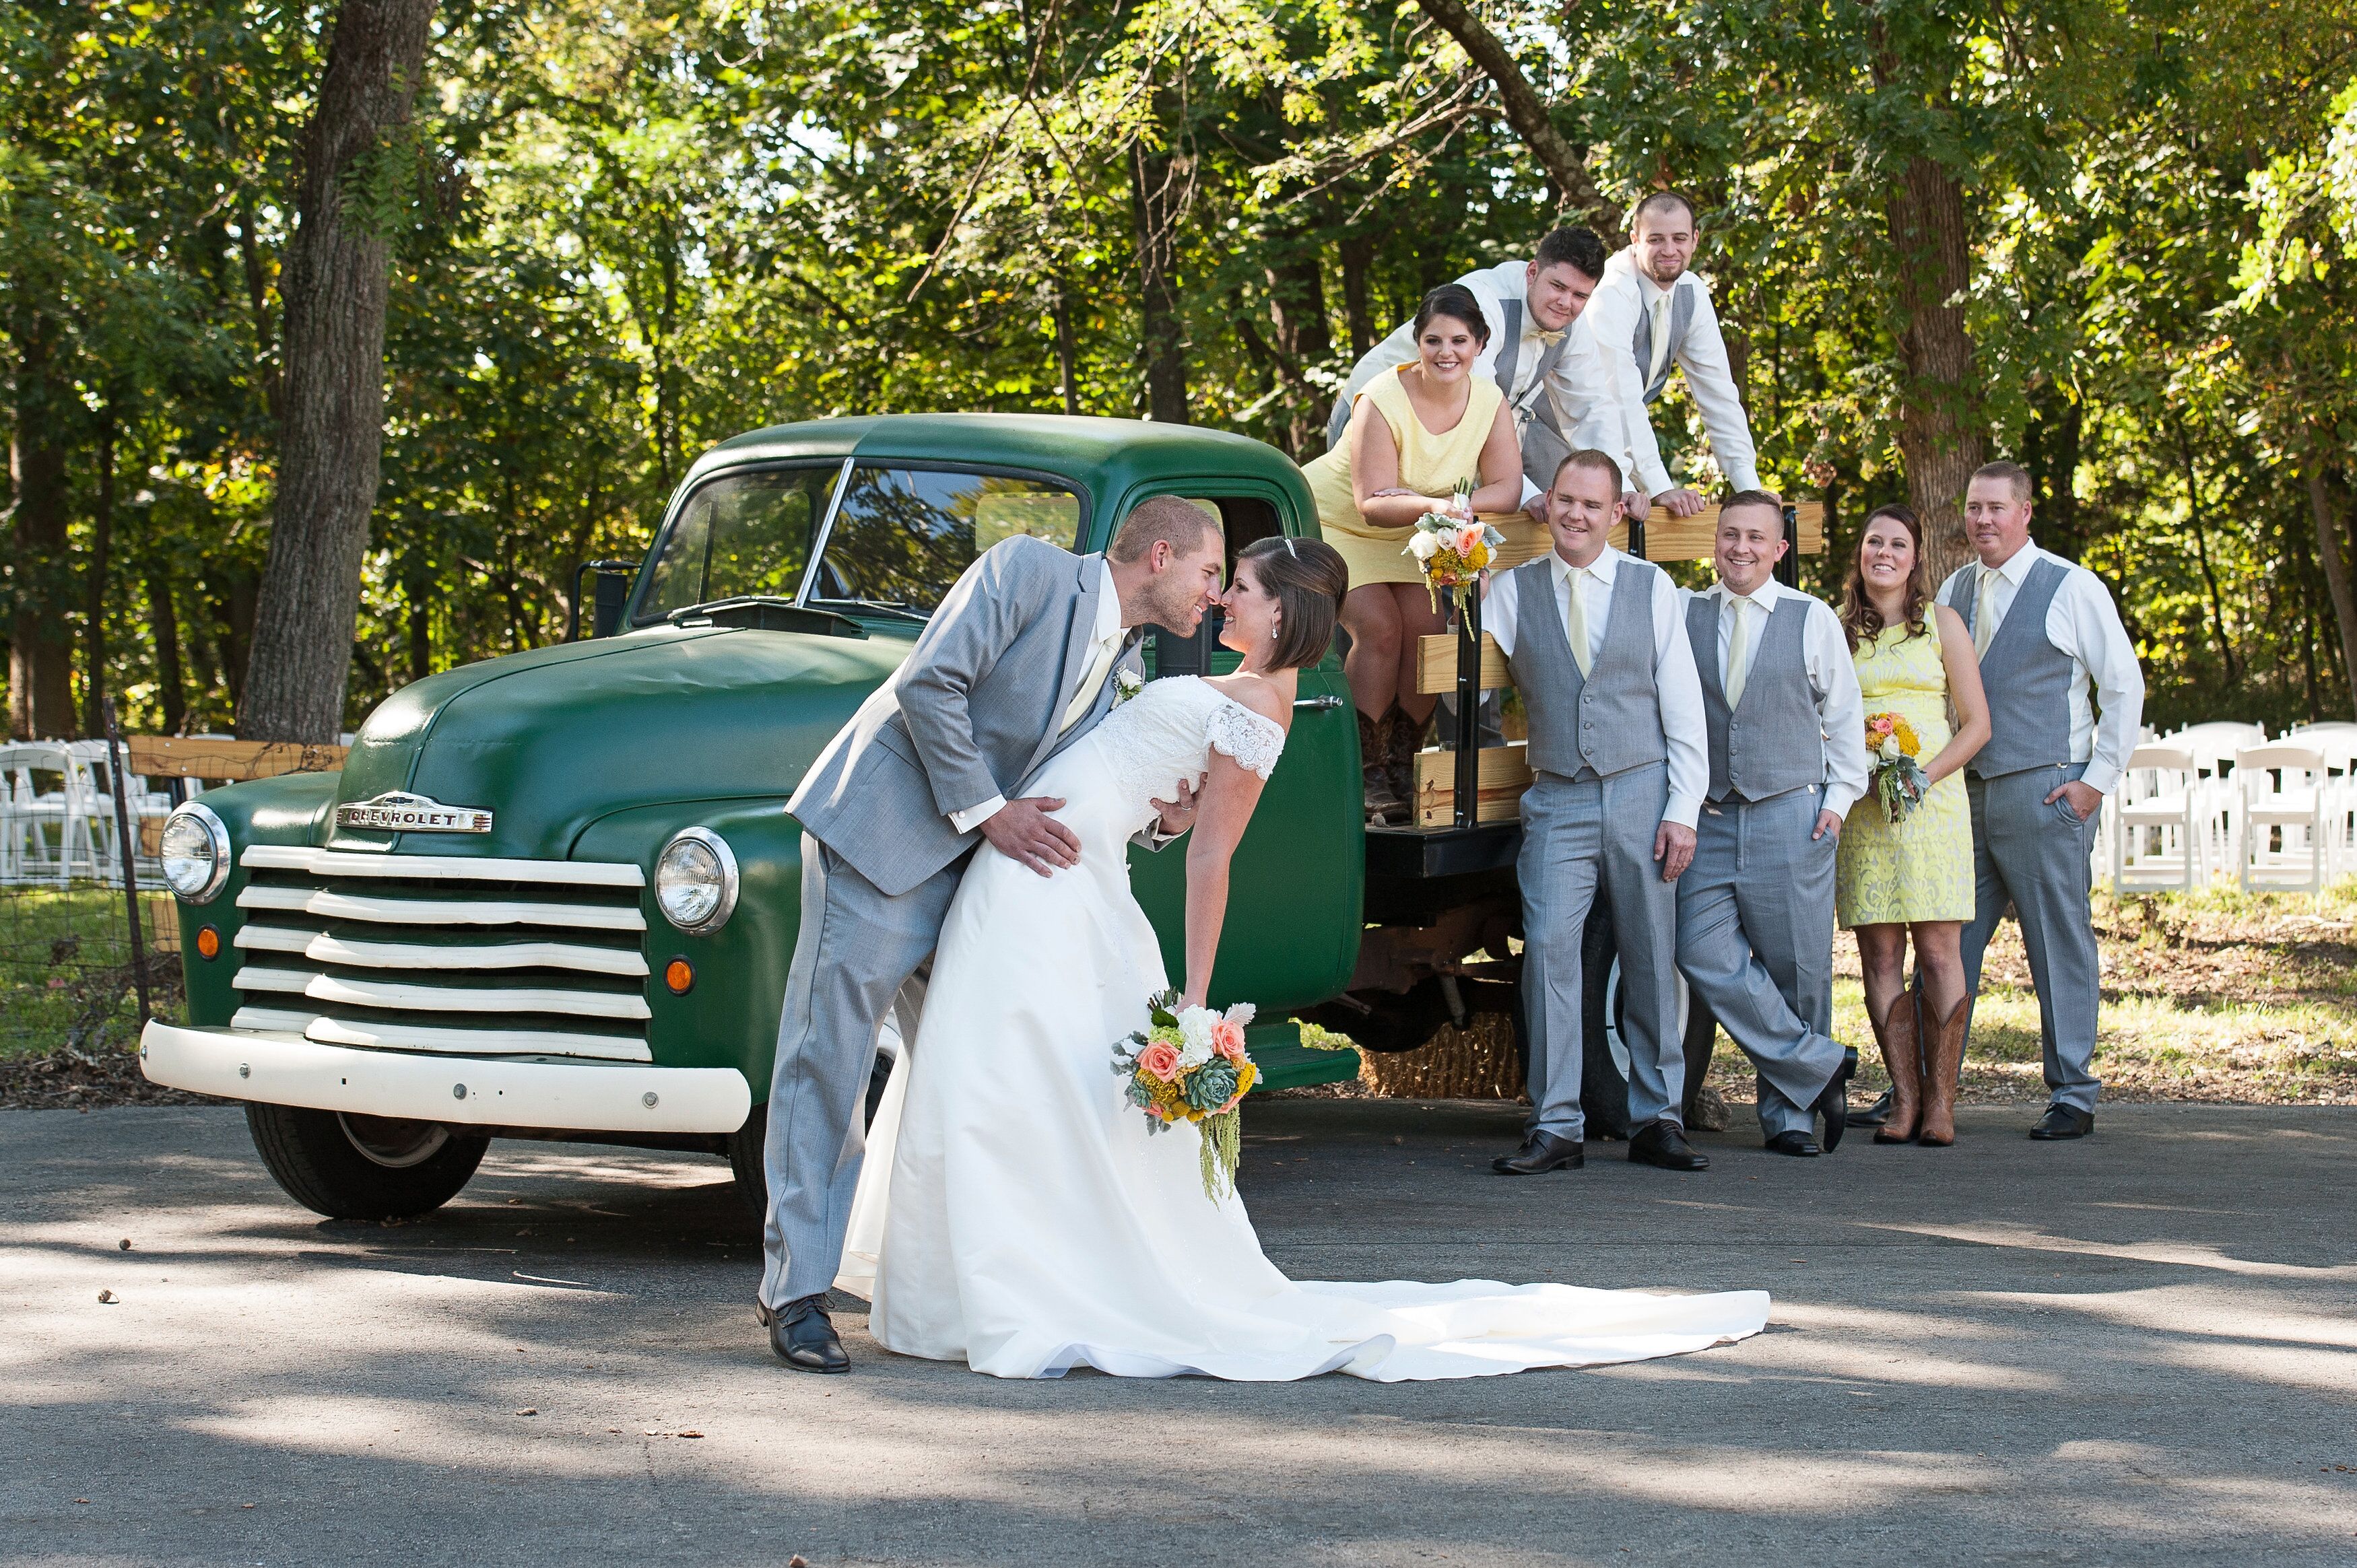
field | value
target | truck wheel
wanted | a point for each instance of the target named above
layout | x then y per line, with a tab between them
362	1167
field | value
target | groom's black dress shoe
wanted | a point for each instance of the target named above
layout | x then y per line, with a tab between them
1663	1143
804	1339
1874	1115
1832	1105
1796	1142
1542	1152
2062	1122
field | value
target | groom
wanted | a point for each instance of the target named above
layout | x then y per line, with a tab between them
1014	666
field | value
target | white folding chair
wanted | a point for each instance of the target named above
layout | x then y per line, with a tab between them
2282	845
2213	747
42	836
2158	836
2337	741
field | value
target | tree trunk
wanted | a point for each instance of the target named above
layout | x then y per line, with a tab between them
1158	182
1305	339
40	648
1939	416
331	431
1563	165
2335	561
102	542
163	625
1068	378
1357	251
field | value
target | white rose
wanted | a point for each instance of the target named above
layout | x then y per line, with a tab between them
1423	545
1891	750
1195	1031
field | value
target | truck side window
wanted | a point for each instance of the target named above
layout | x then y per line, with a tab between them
742	533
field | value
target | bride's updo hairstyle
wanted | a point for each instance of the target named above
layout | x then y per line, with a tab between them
1307	579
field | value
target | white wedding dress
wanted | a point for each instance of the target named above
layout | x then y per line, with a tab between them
1016	1213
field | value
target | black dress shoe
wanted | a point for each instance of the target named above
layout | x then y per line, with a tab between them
804	1339
1542	1152
1874	1115
1797	1144
1832	1105
1663	1143
2062	1122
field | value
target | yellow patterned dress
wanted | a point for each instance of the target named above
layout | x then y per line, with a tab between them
1921	869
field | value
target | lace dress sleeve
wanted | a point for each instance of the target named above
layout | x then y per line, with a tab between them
1255	742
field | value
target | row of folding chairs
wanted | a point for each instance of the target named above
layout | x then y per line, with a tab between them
57	815
2221	799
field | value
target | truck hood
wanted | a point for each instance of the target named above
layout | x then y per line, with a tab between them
551	740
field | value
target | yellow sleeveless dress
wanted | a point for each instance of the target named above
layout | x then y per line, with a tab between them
1921	869
1429	465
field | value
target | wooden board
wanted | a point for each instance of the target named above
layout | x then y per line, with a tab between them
203	757
1435	664
1502	773
1671	538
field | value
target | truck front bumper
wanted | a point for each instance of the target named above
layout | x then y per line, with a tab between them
481	1091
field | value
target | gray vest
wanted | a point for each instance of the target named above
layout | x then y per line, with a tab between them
1604	723
1535	403
1773	741
2027	678
1682	309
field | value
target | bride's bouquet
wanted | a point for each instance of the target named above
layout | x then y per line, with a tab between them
1452	546
1898	778
1189	1065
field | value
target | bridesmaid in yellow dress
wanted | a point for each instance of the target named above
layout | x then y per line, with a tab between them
1913	878
1413	434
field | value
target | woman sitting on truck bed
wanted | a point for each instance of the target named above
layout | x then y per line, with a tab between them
1413	434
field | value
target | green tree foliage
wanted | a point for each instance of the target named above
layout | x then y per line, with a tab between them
624	232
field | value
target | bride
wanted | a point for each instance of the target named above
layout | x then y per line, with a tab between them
1014	1211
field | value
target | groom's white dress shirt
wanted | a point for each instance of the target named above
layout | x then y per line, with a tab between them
1832	676
1104	647
1626	294
2083	626
1676	683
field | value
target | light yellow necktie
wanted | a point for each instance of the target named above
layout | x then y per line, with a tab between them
1660	337
1736	673
1985	613
1575	620
1100	666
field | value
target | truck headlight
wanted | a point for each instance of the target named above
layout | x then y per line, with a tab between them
195	853
695	881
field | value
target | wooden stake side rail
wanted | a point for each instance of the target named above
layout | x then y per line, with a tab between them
1671	538
203	757
1502	774
1435	664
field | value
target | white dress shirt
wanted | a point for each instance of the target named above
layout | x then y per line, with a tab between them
1679	689
1833	677
1104	647
1581	387
1625	295
2083	626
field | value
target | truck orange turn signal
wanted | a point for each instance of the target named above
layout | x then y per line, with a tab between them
678	974
208	942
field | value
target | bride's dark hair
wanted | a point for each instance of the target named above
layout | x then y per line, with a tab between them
1307	579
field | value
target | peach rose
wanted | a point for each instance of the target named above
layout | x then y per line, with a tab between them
1228	1039
1470	537
1161	1059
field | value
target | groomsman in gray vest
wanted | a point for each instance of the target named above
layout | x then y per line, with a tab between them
1017	664
1787	761
1651	315
2065	696
1599	650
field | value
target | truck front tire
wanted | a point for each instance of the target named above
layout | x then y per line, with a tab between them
362	1167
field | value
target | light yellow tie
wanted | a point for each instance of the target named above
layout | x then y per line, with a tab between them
1985	613
1736	673
1660	337
1575	620
1100	666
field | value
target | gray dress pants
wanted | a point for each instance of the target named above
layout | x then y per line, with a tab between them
1756	944
1578	835
860	952
2035	856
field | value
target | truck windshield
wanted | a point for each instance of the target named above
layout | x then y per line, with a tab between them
903	535
743	534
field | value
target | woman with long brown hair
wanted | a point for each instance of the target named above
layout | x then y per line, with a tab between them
1913	877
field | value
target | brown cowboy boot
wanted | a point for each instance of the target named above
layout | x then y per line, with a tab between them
1375	766
1406	740
1904	1060
1944	1054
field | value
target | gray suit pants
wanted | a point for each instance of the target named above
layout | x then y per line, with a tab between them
1756	944
1578	835
859	953
2035	856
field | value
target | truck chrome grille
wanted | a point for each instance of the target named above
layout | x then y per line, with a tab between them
420	952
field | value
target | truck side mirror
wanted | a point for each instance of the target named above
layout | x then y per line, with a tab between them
612	594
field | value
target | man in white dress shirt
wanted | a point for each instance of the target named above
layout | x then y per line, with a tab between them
1787	761
1597	648
1650	314
1552	374
2065	697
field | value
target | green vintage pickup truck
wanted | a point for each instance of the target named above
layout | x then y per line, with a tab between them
553	895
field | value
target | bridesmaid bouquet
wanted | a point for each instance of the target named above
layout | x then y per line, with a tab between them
1899	779
1452	546
1189	1065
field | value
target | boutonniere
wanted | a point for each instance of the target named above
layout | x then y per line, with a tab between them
1125	685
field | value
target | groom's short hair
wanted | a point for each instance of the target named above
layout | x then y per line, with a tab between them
1169	520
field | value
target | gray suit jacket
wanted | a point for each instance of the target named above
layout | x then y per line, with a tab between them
972	714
